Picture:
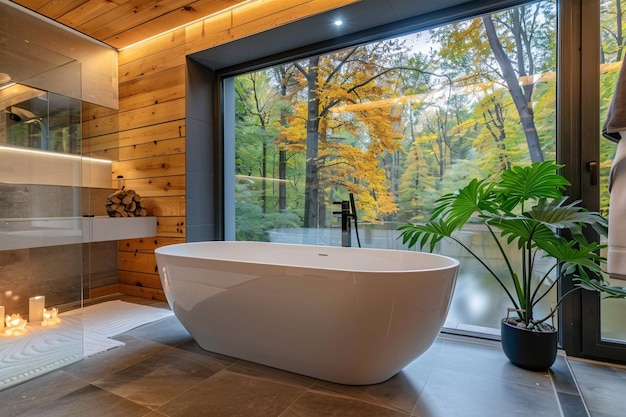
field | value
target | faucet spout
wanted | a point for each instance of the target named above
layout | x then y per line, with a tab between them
348	211
345	222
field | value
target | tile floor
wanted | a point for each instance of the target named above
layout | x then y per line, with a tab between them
162	372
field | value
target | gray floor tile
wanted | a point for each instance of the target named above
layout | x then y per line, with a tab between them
88	401
192	346
486	360
227	394
400	392
572	405
37	392
562	377
168	331
114	360
462	394
271	374
161	377
602	386
315	404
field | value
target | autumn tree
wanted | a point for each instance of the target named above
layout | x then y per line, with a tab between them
345	127
512	47
499	143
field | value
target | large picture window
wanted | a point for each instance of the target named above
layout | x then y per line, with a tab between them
396	123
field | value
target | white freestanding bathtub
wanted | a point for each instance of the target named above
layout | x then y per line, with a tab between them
346	315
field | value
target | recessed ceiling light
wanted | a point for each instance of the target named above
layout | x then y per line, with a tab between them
338	22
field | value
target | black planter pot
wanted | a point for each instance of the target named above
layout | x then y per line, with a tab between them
528	349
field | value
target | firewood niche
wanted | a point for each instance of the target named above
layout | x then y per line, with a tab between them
125	203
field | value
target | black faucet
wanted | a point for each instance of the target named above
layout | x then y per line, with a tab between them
348	211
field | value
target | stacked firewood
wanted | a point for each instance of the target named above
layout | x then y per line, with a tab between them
125	203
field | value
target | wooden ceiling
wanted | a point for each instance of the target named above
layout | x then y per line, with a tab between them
120	23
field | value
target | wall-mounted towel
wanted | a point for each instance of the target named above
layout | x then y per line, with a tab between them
616	115
616	256
614	129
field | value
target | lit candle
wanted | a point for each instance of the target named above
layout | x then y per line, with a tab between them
35	308
2	316
50	317
15	325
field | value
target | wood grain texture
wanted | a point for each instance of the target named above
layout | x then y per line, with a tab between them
159	166
171	186
151	64
140	279
147	245
122	23
143	292
137	262
104	291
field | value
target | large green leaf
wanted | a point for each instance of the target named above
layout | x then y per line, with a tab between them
575	256
558	214
521	229
539	180
543	222
424	235
457	208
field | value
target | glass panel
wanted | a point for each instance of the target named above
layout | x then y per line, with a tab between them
613	326
44	121
41	239
396	124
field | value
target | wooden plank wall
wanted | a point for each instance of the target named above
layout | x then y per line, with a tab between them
147	135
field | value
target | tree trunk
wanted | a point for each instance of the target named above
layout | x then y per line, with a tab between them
282	183
264	175
282	76
495	126
311	194
522	105
619	38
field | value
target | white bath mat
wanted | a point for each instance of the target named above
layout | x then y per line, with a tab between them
105	320
41	349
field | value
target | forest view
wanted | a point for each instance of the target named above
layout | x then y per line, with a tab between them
402	121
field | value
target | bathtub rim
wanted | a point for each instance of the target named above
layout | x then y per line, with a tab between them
166	251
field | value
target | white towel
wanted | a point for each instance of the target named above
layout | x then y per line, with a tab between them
616	114
616	256
614	129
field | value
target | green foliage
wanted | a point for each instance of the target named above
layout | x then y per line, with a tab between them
525	207
252	224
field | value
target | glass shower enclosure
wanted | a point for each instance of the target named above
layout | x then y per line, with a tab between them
41	223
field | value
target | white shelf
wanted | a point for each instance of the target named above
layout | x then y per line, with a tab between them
117	228
33	233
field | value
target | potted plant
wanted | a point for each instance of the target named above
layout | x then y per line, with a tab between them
524	207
